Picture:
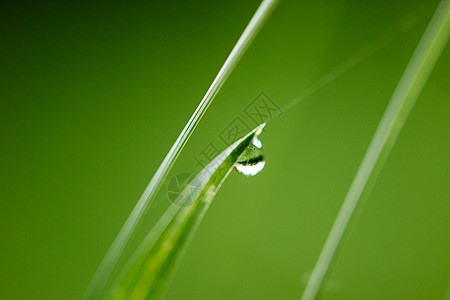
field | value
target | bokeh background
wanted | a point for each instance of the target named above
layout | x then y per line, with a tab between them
92	96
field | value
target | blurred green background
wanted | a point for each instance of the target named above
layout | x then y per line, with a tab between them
92	96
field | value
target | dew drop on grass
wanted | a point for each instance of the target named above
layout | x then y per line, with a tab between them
252	160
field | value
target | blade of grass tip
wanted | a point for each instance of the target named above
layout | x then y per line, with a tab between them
401	103
109	263
149	270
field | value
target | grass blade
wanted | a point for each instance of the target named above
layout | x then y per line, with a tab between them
109	263
149	271
401	103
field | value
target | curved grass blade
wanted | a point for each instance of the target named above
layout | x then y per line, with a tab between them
416	74
150	269
104	272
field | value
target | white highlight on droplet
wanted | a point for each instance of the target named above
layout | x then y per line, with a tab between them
257	143
251	170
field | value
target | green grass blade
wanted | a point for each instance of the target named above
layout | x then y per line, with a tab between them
150	269
401	103
109	263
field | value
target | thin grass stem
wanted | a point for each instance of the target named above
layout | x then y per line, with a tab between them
406	23
401	103
109	263
148	272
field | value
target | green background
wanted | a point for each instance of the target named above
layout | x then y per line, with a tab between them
93	95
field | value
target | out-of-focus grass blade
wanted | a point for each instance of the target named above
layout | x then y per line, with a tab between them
408	89
150	269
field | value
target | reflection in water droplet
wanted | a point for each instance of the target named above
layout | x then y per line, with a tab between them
252	160
250	170
257	143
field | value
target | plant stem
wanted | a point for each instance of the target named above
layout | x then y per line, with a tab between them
109	263
401	103
148	272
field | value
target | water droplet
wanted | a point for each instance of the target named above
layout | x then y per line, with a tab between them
252	160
